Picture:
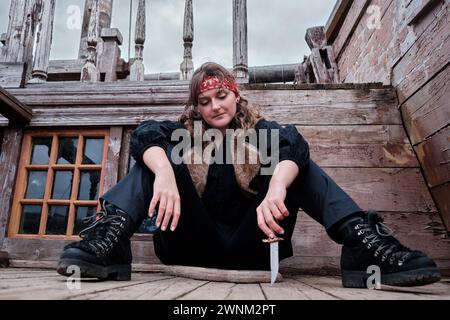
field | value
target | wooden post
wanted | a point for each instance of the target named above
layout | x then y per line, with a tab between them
112	39
89	71
240	43
105	14
9	159
322	59
137	67
23	16
187	66
113	158
44	42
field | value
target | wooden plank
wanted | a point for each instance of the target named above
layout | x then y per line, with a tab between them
354	134
125	154
421	231
428	110
100	94
335	114
363	155
413	70
9	158
164	289
12	74
434	156
218	290
289	289
336	19
45	250
417	9
113	157
385	189
56	287
13	109
333	287
440	194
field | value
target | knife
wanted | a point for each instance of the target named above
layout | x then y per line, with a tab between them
274	258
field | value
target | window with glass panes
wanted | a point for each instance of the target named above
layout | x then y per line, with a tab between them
60	178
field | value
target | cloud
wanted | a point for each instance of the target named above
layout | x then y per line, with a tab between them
276	30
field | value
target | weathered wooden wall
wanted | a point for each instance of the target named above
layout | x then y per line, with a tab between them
355	133
405	43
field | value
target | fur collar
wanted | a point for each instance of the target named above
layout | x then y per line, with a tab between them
244	172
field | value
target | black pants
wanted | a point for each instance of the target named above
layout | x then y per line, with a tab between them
196	241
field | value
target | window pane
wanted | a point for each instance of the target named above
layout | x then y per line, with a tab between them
36	184
57	219
93	151
40	150
30	219
67	150
82	212
62	185
89	185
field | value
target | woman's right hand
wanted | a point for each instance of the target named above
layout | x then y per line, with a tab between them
165	193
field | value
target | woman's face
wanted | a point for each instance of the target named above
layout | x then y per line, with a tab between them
217	107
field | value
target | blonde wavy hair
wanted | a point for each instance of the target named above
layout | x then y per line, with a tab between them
247	115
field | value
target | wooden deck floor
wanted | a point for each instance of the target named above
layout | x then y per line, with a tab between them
47	284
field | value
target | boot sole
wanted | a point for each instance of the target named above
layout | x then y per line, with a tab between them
89	270
418	277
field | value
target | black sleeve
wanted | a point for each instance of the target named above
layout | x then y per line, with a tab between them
292	145
151	133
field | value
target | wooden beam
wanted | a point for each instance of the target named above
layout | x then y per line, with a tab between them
418	9
187	66
434	156
336	19
113	158
440	195
13	109
240	39
105	16
9	158
43	42
137	70
12	74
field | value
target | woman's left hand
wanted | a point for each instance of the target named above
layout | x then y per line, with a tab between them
272	209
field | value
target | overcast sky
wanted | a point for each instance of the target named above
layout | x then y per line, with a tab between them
276	30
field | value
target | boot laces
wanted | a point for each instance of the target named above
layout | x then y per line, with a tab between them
104	230
381	237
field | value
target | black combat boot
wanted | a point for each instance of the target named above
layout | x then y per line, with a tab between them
104	251
369	242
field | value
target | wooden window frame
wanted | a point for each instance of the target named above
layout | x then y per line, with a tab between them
51	167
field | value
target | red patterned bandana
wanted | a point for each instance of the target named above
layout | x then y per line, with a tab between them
212	82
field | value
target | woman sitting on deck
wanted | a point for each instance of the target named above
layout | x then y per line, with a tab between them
216	213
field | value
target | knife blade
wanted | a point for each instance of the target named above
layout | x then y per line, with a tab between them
274	262
274	258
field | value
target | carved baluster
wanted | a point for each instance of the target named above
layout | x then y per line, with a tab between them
104	21
187	66
89	72
240	43
19	40
137	68
43	42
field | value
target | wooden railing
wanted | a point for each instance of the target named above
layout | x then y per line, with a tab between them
99	53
